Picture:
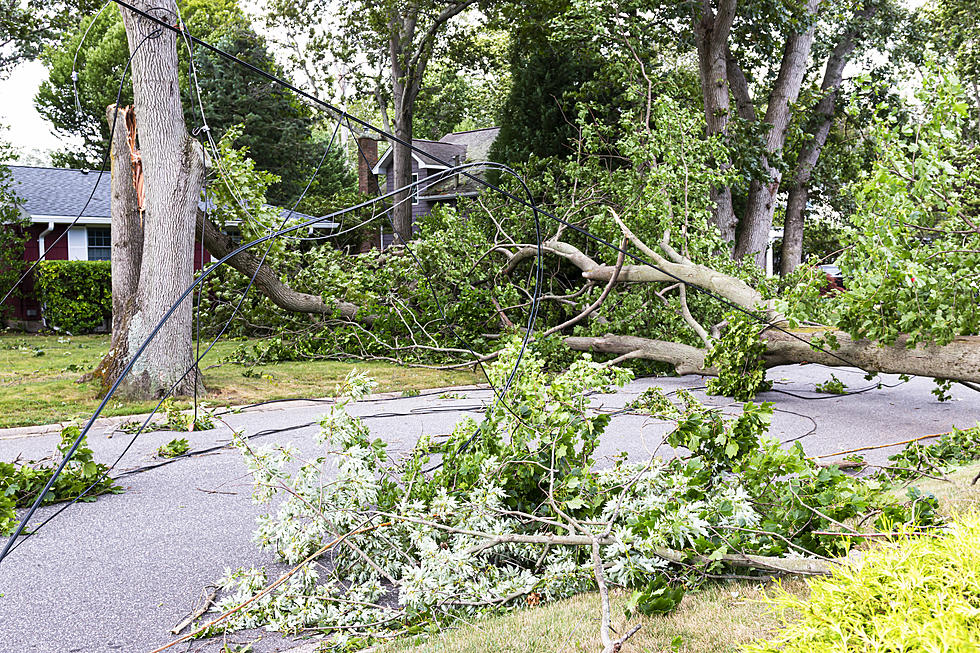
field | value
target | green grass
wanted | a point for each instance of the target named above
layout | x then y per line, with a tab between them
717	618
39	377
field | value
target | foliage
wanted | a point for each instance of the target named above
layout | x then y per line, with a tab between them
102	57
262	118
13	228
76	296
179	420
21	483
276	128
25	27
738	357
464	88
477	533
919	594
958	447
832	386
174	448
954	31
911	262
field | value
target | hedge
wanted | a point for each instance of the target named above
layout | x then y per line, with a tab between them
76	296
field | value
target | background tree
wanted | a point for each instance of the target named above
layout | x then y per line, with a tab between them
278	129
955	32
26	27
102	57
13	225
386	48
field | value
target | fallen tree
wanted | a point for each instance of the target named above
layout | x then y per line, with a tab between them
517	513
957	360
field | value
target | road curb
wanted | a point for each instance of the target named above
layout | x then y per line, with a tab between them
105	423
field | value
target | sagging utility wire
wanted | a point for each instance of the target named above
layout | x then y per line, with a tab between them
187	292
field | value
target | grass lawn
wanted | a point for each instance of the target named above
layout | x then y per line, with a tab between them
39	379
716	618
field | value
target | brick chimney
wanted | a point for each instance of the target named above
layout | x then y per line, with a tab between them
367	158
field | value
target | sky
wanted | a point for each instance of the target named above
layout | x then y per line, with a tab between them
28	131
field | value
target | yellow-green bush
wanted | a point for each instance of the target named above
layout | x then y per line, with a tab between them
918	594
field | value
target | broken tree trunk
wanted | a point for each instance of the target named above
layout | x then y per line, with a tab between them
173	166
957	361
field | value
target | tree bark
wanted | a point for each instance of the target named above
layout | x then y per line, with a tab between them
711	31
266	279
754	227
404	86
958	361
819	129
127	245
173	165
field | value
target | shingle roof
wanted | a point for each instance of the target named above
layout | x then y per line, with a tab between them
428	152
476	141
62	192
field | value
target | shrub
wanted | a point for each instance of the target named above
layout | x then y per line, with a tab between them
76	295
921	594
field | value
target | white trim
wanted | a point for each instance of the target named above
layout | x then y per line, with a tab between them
78	244
376	170
40	241
68	219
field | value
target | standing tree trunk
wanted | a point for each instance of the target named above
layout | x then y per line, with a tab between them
173	167
711	31
404	86
409	50
792	248
753	237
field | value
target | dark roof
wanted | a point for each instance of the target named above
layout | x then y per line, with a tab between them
63	192
428	152
454	148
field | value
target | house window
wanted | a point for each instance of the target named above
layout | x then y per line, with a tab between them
415	189
234	233
99	244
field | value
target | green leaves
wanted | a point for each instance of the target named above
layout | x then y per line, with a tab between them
20	484
76	295
659	596
738	357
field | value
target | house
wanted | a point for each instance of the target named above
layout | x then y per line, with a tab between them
62	226
456	148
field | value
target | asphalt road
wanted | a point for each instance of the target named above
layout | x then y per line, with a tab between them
119	573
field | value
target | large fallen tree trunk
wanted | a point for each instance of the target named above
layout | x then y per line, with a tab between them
959	360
